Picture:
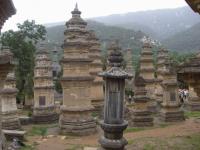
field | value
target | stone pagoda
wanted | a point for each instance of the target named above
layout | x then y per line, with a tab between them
114	124
7	10
146	71
190	73
6	65
129	68
44	106
141	116
162	54
76	111
97	95
170	107
10	119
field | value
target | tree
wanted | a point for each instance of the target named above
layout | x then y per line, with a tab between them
22	44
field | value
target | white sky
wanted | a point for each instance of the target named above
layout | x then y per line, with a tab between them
48	11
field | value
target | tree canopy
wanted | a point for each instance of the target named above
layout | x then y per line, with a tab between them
22	44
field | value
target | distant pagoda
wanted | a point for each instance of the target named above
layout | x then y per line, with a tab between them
76	111
129	67
10	118
140	114
162	54
44	106
147	71
97	94
170	106
189	72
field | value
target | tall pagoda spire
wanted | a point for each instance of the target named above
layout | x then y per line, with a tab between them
76	20
76	110
76	11
76	6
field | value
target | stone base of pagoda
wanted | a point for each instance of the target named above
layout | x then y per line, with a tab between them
141	118
13	124
10	121
113	136
152	106
171	115
45	115
77	121
3	142
193	104
128	113
98	106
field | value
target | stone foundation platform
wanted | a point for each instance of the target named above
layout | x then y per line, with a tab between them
10	121
13	124
45	118
172	116
193	106
78	128
142	119
77	122
45	115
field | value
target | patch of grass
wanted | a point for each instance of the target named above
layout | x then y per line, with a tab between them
28	147
194	140
192	114
30	113
94	114
75	147
134	129
130	142
38	130
191	142
148	147
163	125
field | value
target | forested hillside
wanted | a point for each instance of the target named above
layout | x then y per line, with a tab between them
127	37
160	24
186	41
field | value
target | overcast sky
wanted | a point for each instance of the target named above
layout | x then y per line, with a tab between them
48	11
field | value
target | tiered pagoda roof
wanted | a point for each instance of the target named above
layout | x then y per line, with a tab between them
7	9
194	4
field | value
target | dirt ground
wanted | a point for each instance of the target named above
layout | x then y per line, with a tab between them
56	142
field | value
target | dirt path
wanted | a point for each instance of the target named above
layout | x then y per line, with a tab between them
188	127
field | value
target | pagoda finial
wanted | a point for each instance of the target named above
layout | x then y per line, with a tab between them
115	58
76	7
76	12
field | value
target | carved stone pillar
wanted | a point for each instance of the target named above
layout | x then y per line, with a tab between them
114	123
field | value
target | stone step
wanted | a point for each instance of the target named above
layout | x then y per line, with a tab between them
90	148
10	134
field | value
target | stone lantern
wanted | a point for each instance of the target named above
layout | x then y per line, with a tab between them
114	123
